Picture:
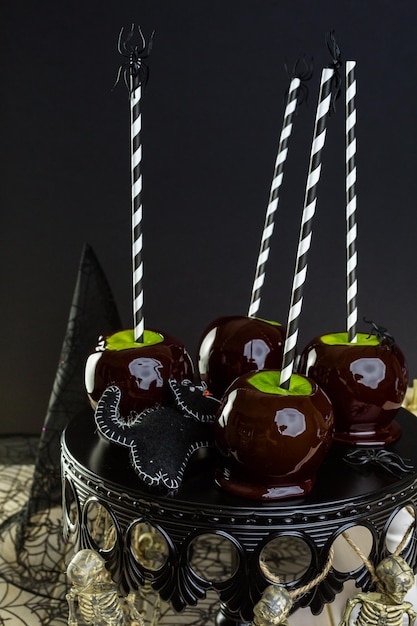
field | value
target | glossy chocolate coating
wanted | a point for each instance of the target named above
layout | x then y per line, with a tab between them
366	385
271	445
231	346
141	373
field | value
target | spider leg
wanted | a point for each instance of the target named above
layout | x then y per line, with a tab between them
143	40
134	49
302	70
149	46
144	50
122	45
119	73
130	35
144	74
119	41
126	77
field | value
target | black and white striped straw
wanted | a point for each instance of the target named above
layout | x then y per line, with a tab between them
274	196
351	227
137	238
310	200
135	73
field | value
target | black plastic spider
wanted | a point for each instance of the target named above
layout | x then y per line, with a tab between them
381	333
135	72
304	71
334	50
336	64
389	461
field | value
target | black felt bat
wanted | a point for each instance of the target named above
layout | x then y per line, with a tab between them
163	438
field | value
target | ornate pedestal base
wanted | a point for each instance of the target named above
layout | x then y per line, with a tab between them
146	536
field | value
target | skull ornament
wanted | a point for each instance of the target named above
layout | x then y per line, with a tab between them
387	606
86	568
273	607
396	577
93	597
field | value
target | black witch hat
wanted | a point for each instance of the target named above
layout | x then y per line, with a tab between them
32	548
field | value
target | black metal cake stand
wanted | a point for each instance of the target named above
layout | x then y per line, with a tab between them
364	487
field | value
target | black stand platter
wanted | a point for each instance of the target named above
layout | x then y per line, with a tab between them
364	487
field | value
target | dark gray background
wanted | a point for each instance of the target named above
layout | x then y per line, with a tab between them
211	116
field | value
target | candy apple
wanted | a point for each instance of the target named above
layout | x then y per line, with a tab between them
271	440
231	346
366	382
140	370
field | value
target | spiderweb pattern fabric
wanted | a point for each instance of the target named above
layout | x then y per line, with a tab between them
19	605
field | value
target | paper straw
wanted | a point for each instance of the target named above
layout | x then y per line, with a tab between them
137	238
310	200
274	197
135	73
351	229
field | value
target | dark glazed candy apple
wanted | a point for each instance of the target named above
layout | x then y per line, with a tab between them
140	370
232	346
272	441
366	382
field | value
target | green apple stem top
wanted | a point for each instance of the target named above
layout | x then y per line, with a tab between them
365	380
141	370
271	440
